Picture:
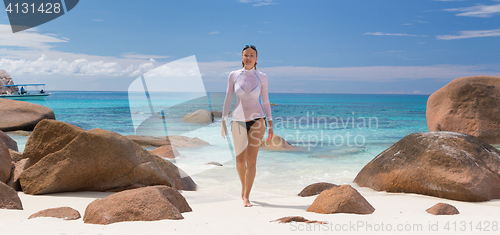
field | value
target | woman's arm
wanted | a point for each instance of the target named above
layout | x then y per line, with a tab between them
229	97
227	104
264	99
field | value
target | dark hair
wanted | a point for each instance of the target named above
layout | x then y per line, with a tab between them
250	46
256	53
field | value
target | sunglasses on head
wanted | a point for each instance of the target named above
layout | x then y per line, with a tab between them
251	46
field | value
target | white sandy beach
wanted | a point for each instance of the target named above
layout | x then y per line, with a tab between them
216	214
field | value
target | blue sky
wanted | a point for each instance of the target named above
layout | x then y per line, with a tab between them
334	46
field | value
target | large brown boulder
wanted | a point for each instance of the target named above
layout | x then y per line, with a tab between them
5	79
96	160
9	198
144	204
441	164
469	105
49	136
20	115
5	163
11	144
66	213
343	199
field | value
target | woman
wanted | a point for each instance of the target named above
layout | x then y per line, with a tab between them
249	122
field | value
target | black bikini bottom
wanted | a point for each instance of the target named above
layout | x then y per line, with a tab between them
249	124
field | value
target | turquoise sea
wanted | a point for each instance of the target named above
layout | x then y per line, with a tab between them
338	133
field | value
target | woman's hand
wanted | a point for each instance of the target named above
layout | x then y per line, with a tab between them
270	133
223	129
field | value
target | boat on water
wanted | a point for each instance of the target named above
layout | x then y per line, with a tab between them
21	92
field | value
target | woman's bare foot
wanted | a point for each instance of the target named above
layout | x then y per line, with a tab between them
246	202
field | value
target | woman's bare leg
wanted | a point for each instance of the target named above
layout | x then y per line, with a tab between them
255	136
241	167
240	140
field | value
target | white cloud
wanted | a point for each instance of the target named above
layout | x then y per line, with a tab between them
29	38
30	53
218	70
214	32
471	34
477	11
215	73
389	34
78	67
36	60
258	3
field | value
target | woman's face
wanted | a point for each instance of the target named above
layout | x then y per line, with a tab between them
249	57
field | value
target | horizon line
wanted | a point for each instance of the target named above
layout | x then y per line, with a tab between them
269	92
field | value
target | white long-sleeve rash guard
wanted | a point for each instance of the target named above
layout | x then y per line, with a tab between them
248	86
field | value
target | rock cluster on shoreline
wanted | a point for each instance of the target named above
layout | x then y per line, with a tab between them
454	159
62	158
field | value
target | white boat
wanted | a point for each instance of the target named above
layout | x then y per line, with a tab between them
22	92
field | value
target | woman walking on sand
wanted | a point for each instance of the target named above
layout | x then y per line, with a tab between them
249	122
